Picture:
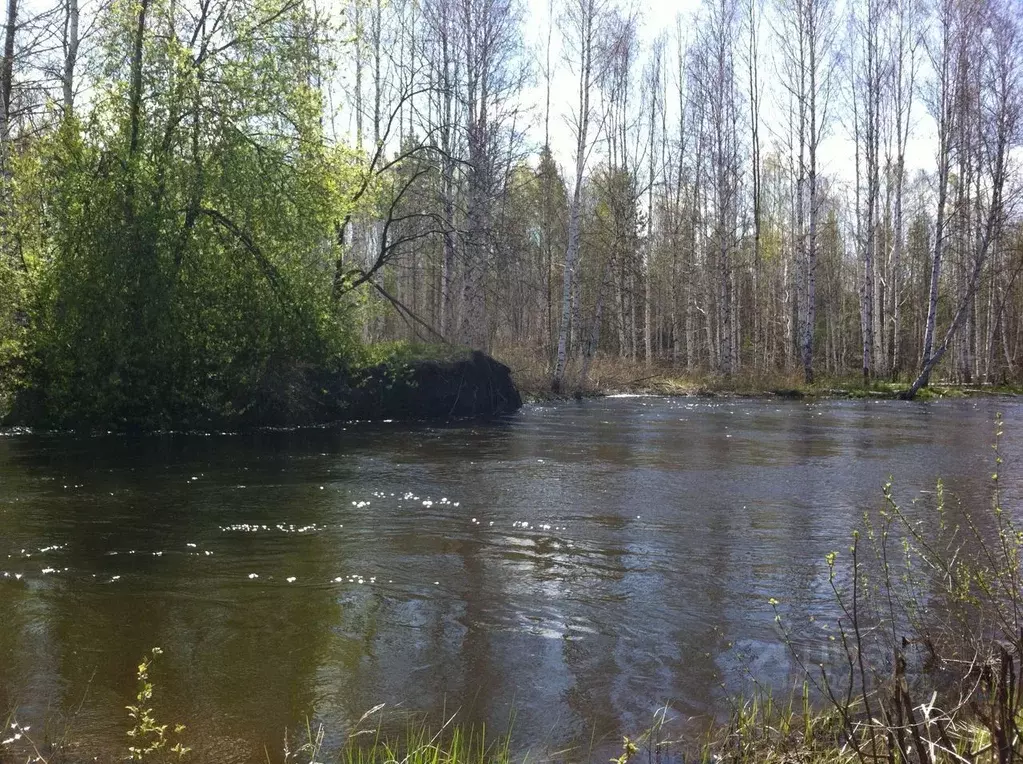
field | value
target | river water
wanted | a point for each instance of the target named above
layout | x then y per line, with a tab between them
575	566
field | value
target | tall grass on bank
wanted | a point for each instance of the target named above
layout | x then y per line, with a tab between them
532	372
451	744
764	728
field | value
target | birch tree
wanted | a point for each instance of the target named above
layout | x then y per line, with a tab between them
807	39
493	66
992	71
583	25
868	81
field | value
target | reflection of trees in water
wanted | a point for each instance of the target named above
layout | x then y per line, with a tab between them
588	636
232	650
25	645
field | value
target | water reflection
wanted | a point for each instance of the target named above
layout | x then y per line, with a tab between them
579	565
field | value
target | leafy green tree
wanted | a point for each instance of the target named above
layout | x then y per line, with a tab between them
179	239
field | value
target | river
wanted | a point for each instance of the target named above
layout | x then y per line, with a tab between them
574	566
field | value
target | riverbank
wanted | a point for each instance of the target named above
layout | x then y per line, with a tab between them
407	382
759	729
614	376
762	734
390	382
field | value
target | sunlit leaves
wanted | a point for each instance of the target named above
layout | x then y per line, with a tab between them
180	259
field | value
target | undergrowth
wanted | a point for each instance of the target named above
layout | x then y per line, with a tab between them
532	372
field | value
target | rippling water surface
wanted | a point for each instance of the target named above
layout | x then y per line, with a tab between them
581	564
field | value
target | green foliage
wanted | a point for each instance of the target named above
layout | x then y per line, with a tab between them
178	261
401	352
12	339
148	738
455	745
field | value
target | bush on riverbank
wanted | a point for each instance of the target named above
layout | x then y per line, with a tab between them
174	252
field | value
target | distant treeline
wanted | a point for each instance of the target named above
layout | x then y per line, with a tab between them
201	198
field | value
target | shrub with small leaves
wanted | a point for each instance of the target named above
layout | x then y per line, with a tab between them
149	738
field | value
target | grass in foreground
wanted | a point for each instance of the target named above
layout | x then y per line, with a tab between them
758	731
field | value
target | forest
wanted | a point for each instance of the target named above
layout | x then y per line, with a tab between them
202	199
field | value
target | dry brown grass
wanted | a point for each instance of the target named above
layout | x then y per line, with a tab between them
532	370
